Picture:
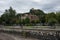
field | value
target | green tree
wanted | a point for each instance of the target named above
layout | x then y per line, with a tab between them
39	13
9	16
18	19
52	22
0	20
58	16
51	19
27	20
18	16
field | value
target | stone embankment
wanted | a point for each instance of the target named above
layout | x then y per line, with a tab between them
32	34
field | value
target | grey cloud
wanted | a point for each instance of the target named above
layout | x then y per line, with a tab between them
25	5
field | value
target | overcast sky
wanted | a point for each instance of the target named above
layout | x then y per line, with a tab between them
26	5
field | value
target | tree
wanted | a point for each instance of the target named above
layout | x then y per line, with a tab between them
58	16
9	16
12	13
22	22
18	19
52	22
51	18
39	13
18	16
0	20
27	20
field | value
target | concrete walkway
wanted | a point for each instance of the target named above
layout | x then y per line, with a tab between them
4	36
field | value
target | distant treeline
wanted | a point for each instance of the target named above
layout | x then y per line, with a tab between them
33	17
